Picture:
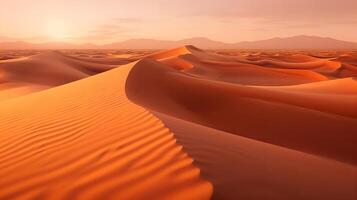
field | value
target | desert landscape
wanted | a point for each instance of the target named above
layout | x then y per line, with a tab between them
183	123
178	100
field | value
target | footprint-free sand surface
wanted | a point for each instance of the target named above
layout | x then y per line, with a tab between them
178	124
86	140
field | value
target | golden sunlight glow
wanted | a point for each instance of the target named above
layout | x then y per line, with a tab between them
56	29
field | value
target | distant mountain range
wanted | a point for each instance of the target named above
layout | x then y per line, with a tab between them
296	42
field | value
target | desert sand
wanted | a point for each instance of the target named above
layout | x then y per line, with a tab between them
86	140
182	123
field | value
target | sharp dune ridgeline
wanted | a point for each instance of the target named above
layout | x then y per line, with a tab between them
86	140
183	123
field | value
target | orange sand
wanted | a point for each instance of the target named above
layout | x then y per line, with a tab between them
240	168
45	70
254	124
296	106
85	140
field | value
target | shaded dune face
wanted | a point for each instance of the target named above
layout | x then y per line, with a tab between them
298	118
255	125
299	111
86	140
241	168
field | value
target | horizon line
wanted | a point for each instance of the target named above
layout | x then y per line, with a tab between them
14	40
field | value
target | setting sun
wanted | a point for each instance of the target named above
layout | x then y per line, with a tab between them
56	30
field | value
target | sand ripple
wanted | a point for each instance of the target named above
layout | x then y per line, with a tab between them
85	140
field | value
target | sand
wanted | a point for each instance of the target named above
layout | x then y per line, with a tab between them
182	123
45	70
241	168
271	114
86	140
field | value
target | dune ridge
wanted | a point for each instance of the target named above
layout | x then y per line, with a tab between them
44	70
257	130
92	144
255	124
235	108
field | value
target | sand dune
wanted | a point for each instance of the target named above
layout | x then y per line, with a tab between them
321	66
13	90
45	70
254	74
240	168
312	118
285	117
85	140
228	68
343	86
105	59
255	124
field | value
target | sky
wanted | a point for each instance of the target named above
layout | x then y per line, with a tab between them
106	21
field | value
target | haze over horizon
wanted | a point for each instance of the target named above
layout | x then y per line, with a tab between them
178	99
229	21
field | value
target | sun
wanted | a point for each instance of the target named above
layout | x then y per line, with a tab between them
56	30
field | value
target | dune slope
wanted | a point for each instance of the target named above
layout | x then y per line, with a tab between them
284	118
268	129
305	121
42	71
86	140
241	168
258	124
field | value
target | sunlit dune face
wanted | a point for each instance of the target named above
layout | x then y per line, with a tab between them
56	30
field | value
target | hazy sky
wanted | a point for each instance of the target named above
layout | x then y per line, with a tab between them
103	21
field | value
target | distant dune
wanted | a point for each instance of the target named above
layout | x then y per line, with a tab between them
46	70
182	123
296	42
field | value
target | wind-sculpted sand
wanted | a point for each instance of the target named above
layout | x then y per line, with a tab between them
254	124
86	140
304	107
44	70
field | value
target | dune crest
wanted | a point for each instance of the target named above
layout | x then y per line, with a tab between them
85	140
236	108
257	124
266	129
44	70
